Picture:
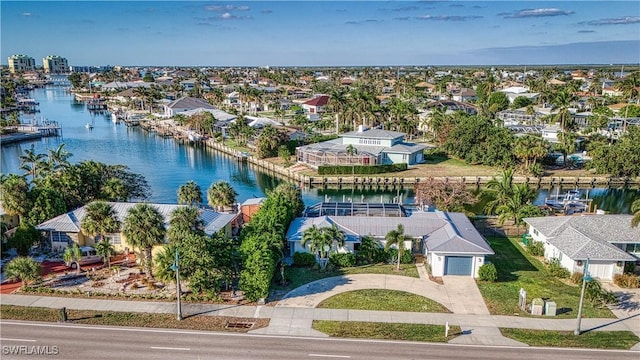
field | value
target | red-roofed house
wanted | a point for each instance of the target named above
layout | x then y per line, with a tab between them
316	105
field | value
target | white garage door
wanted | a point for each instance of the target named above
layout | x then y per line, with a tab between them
601	270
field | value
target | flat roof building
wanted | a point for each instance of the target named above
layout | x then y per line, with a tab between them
19	63
54	64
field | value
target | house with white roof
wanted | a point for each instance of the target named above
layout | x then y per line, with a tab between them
608	241
65	229
450	243
371	147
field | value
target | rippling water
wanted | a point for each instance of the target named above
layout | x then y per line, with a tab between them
167	164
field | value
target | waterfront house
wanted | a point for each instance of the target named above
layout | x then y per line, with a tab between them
608	241
185	104
449	242
250	207
65	229
370	147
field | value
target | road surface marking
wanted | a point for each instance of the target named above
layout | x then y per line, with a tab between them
25	340
331	356
169	348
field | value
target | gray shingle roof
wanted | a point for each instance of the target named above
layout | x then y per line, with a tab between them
190	103
443	232
405	148
589	236
374	134
70	222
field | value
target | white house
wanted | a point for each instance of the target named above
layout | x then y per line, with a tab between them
316	105
451	244
369	147
608	241
185	104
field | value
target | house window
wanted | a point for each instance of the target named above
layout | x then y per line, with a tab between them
57	236
114	239
535	232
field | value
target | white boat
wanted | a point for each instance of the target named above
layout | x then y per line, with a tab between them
114	118
88	125
570	202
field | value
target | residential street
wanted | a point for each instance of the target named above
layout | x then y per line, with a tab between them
98	342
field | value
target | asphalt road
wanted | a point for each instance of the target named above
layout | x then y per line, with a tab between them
68	341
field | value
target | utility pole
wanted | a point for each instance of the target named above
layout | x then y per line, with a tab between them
176	267
585	279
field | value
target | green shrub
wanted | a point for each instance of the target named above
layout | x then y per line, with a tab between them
343	259
597	295
555	269
360	169
392	256
629	281
488	272
303	259
535	248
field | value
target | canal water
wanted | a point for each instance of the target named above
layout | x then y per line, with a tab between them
166	163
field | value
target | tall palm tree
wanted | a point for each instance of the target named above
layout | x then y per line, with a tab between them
105	249
100	219
221	194
396	237
563	100
499	190
144	227
190	194
33	163
58	159
635	209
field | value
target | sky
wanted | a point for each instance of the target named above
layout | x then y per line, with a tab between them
322	33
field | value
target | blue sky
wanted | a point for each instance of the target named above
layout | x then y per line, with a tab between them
322	33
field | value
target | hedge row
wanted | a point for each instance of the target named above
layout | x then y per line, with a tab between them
360	169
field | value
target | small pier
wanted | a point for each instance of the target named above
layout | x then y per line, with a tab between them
25	132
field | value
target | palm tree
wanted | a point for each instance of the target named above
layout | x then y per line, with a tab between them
512	208
635	209
106	250
334	236
319	244
190	194
73	254
24	269
114	189
499	190
58	158
32	162
184	220
221	194
563	100
100	219
143	228
396	237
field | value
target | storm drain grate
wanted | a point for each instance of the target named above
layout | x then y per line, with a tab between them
239	325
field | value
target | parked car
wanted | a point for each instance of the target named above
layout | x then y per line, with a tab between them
89	256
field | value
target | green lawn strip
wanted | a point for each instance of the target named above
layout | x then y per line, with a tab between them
298	276
623	340
382	300
387	331
517	269
169	321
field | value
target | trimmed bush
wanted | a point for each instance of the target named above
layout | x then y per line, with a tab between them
303	259
406	258
555	269
343	259
629	281
535	248
488	272
360	169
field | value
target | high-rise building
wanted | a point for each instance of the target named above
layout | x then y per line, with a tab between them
21	63
54	64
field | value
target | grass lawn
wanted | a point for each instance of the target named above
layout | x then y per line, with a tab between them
298	276
622	340
388	331
169	321
383	300
517	269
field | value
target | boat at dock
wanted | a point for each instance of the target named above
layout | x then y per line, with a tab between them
88	126
570	202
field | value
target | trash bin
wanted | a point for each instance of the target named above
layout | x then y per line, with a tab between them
550	308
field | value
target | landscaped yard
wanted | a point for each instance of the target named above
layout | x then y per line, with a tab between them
623	340
298	276
382	300
169	321
388	331
517	269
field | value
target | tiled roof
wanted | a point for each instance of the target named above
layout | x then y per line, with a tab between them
70	222
318	101
589	236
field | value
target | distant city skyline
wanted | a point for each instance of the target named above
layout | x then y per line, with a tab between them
325	33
